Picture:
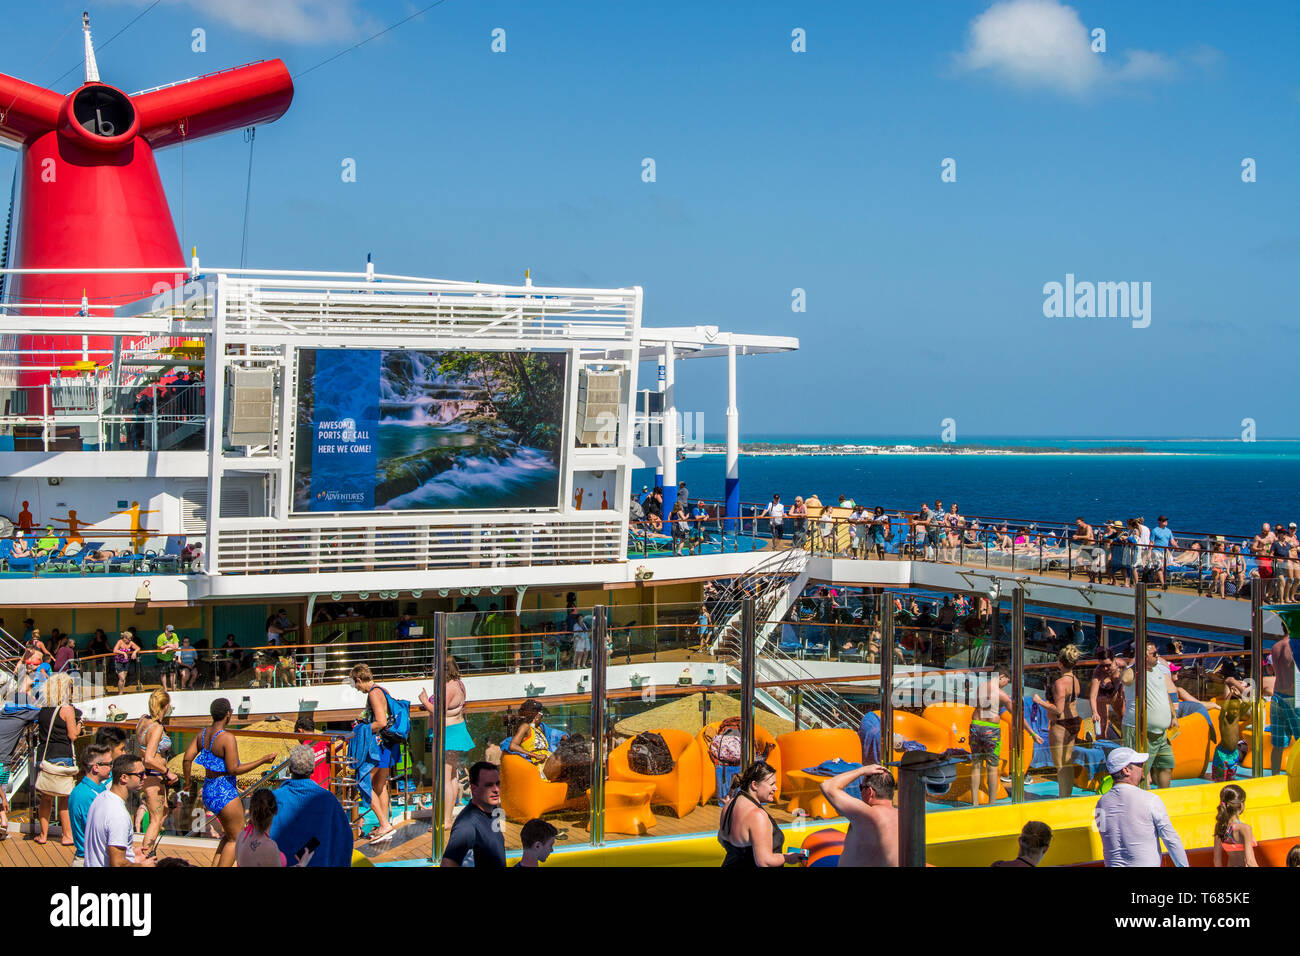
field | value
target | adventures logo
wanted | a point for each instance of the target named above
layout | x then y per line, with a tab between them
77	910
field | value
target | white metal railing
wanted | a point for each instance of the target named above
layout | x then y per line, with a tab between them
409	547
451	310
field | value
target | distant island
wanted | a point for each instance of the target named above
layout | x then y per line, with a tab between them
841	448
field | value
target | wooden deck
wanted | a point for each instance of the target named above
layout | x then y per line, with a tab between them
20	850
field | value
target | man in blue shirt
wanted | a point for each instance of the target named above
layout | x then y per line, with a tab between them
98	763
1162	540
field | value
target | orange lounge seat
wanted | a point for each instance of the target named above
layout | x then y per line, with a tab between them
679	789
525	795
936	738
1191	746
955	717
808	748
627	807
708	769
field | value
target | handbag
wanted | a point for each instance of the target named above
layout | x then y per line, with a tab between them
54	778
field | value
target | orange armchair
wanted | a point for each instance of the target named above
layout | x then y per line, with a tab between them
708	771
808	748
525	795
955	717
935	737
678	789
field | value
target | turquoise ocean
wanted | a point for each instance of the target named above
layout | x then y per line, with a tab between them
1203	485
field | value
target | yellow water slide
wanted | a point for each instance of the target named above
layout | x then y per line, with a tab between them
978	836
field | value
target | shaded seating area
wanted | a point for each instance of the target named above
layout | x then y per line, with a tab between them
709	770
679	789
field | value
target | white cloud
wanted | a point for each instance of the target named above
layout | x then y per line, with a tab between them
1044	44
298	21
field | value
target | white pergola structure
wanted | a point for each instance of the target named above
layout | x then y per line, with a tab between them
694	342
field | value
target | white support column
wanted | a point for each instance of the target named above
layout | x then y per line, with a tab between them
668	446
214	361
663	399
731	491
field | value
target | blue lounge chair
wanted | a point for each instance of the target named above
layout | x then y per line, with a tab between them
76	562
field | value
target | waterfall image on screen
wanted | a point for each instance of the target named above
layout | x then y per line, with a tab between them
428	431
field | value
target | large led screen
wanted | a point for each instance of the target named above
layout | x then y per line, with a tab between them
428	431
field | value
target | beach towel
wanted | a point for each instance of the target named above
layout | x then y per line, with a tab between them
363	748
869	734
833	768
1092	757
306	810
1037	720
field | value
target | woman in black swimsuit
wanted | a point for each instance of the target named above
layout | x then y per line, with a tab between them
1106	692
747	832
1065	725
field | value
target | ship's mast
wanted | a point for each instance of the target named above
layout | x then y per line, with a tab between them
92	68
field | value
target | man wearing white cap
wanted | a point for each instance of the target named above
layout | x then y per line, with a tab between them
1134	821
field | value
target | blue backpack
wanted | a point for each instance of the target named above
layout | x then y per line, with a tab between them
398	730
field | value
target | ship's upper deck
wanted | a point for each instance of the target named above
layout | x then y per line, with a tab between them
342	423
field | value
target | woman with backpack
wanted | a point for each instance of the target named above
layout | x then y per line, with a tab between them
747	832
390	754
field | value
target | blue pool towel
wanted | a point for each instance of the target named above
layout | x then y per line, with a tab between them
1092	758
869	734
833	768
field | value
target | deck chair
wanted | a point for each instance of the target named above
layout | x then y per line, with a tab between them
75	561
170	559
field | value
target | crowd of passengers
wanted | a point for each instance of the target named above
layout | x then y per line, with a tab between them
1113	551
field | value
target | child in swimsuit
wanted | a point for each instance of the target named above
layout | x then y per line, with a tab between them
1234	841
1227	752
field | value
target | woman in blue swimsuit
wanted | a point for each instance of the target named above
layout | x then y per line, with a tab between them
217	752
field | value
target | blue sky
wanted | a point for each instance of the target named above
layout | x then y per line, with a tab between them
779	170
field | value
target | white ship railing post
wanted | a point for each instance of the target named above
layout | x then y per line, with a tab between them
215	378
731	494
668	432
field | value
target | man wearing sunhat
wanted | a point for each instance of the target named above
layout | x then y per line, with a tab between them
1133	821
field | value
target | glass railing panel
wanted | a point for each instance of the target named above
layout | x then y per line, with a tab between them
664	775
541	738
